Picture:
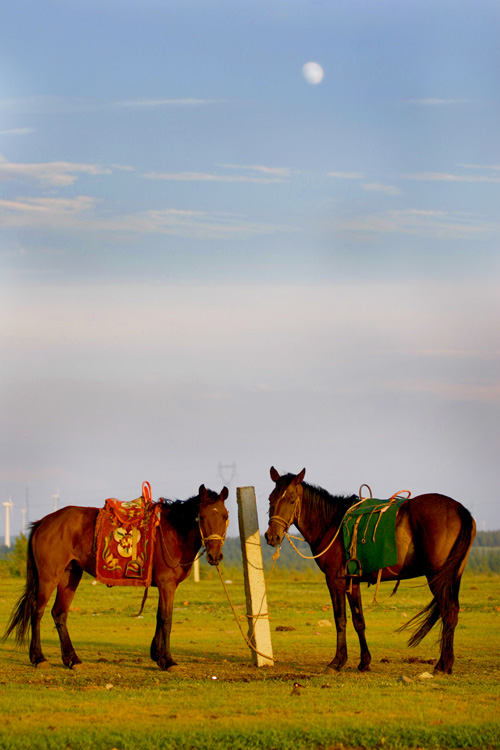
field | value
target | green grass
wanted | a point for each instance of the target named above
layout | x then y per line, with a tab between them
120	699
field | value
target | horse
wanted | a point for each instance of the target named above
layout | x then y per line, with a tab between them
434	534
61	546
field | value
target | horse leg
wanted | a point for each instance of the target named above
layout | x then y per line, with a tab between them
337	587
44	592
157	644
449	610
160	647
66	589
358	620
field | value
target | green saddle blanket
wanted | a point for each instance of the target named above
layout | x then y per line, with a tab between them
369	533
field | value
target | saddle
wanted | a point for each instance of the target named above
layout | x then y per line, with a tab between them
124	538
369	534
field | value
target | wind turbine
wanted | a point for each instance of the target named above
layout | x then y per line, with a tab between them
55	498
8	510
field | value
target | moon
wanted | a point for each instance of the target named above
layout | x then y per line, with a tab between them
313	73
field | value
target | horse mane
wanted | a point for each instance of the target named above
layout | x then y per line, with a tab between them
322	508
182	513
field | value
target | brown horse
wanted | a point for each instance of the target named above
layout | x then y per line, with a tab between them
433	536
61	547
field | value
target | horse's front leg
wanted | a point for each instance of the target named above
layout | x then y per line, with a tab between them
337	587
160	646
358	620
157	644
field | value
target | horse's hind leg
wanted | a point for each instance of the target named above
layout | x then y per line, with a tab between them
44	593
358	620
160	646
449	610
65	592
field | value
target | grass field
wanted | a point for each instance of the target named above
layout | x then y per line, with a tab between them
120	699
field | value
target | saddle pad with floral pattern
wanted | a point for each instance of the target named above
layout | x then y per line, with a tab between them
125	537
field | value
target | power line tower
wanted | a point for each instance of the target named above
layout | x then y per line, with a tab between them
227	472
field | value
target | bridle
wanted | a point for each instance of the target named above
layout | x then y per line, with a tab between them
204	539
212	537
295	513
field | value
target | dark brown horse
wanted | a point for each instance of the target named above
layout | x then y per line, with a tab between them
61	547
433	536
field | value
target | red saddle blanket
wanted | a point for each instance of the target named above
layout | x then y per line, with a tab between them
125	537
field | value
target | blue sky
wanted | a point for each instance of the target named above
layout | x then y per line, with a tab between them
206	260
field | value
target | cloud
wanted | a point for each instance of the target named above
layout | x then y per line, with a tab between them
210	177
347	175
421	223
81	214
17	131
380	188
154	103
494	167
481	390
63	104
261	169
50	206
447	177
54	174
433	102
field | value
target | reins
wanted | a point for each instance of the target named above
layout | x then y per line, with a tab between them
296	512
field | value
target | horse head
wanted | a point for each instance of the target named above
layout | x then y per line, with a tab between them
212	521
284	505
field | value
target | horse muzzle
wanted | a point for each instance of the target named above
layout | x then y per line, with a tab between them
214	553
274	535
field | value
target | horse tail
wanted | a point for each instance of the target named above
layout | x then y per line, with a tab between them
25	608
445	583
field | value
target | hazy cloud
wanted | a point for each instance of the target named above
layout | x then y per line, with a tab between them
347	175
261	169
154	103
17	131
210	177
438	102
378	187
447	177
54	174
422	223
80	213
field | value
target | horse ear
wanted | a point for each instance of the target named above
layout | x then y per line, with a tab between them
300	477
224	494
202	492
274	474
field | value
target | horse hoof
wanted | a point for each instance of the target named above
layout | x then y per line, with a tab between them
330	670
173	668
42	664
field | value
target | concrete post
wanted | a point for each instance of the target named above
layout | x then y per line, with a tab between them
196	570
255	585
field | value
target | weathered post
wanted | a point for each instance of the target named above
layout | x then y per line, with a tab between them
196	570
259	631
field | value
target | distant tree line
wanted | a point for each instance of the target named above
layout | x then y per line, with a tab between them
484	558
487	539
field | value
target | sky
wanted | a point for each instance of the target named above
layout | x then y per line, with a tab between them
210	264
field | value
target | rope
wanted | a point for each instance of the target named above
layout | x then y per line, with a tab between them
248	639
313	557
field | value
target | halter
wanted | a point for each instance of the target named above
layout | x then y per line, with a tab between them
296	512
212	537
